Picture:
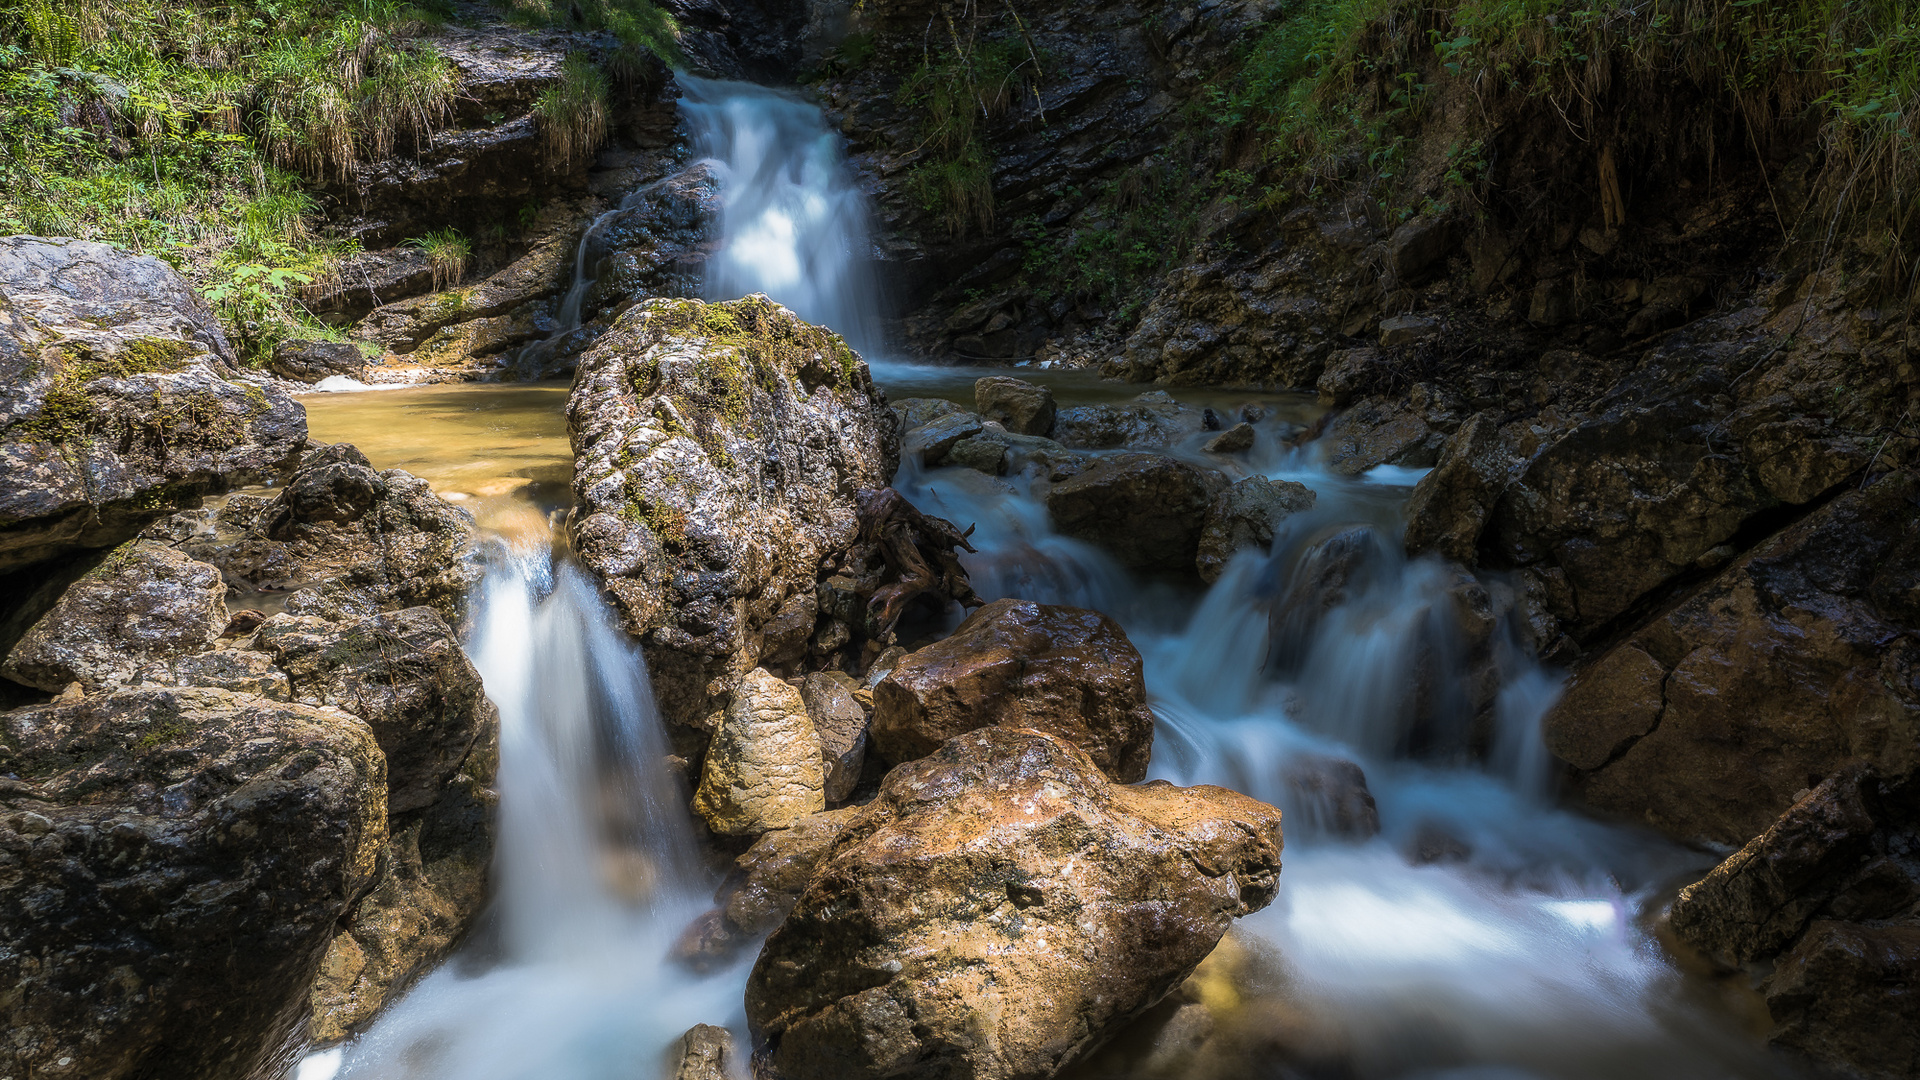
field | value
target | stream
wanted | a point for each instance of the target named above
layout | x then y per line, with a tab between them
1484	932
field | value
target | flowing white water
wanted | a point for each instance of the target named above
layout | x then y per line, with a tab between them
1482	933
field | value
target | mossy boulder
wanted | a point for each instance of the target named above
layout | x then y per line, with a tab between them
718	449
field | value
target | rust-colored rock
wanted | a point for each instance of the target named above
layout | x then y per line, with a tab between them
1062	670
999	910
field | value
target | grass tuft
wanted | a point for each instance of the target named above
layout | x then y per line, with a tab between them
573	111
447	254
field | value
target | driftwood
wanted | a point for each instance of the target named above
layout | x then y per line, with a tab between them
913	554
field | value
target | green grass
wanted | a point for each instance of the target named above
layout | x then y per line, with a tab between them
638	24
969	74
572	113
447	254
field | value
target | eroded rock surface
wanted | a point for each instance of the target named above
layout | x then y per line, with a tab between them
1145	509
1245	515
763	769
719	450
999	910
176	861
1066	671
116	407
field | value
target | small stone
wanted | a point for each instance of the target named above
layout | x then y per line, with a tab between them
702	1053
1406	329
1234	440
982	453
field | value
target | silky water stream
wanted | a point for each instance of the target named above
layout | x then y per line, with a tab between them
1482	933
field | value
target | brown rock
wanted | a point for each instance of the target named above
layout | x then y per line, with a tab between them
702	1054
175	863
1449	507
770	876
1330	795
1246	515
1235	440
763	769
841	724
145	604
1612	703
1845	994
999	910
1147	510
1021	407
1066	671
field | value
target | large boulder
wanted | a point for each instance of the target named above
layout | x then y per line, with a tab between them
115	401
1066	671
841	722
1151	421
1246	516
718	452
1021	407
175	862
1801	656
999	910
147	603
1826	903
307	361
404	674
1449	506
763	769
347	541
1145	509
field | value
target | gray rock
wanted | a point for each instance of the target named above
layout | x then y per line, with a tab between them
311	361
702	1054
841	724
175	862
935	439
719	449
916	412
146	604
1246	515
1147	510
1406	329
985	452
1021	407
115	404
1151	421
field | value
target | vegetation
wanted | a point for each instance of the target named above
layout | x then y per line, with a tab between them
967	76
573	111
447	253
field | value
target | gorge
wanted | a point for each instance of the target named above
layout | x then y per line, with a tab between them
762	628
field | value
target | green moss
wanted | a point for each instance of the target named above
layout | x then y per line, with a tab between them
162	735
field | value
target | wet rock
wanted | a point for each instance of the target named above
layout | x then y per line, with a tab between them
1844	994
1066	671
145	604
1021	407
769	877
936	438
1797	658
1246	515
999	910
701	1054
429	887
1330	795
982	453
1330	572
1349	374
346	541
841	724
1237	439
175	862
115	404
718	451
918	412
1450	505
1377	433
763	769
405	675
241	670
1151	421
311	361
1145	509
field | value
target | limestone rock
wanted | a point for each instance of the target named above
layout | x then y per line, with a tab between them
145	604
702	1054
1235	440
718	451
918	412
1021	407
311	361
405	675
1068	672
115	404
936	438
1419	244
1450	505
1246	515
842	726
1799	657
1376	433
770	876
763	769
1001	909
175	862
1151	421
1406	329
1147	510
1844	994
348	541
1330	796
